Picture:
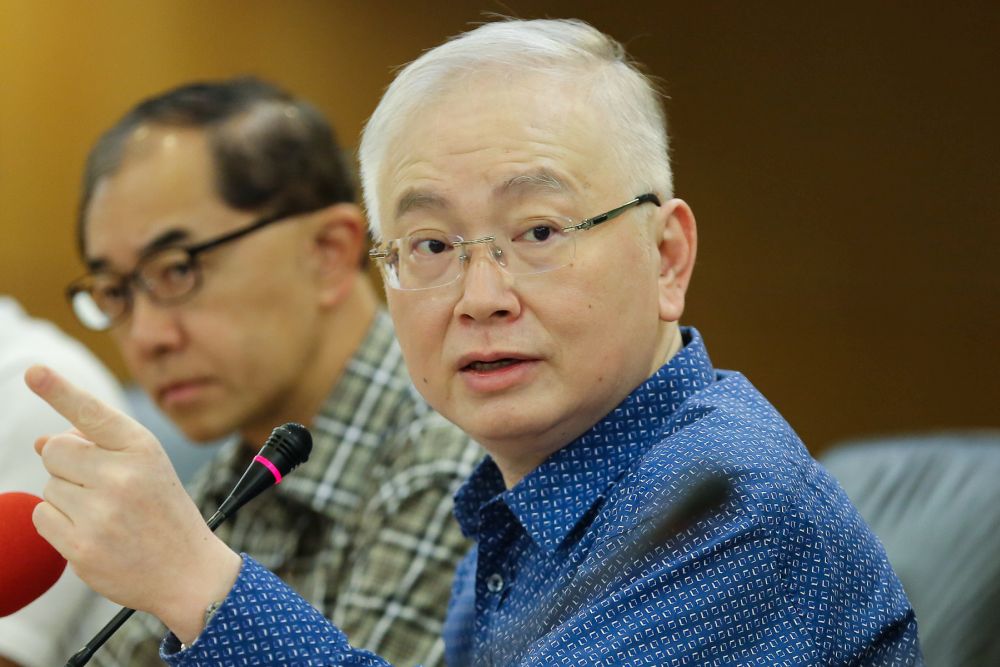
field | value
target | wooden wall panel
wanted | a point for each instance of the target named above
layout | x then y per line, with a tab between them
842	160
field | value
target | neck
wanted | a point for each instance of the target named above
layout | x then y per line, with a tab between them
341	331
670	345
515	468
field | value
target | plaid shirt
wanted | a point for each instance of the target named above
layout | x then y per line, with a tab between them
364	529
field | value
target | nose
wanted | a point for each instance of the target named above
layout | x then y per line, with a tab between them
151	330
487	290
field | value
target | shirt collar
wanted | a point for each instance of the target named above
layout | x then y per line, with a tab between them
555	497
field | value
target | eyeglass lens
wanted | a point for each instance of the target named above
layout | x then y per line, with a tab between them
430	258
103	298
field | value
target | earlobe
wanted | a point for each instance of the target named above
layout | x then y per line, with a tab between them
677	246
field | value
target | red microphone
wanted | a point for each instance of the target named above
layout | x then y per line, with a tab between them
28	564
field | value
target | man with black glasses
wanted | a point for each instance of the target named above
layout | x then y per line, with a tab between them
223	251
638	506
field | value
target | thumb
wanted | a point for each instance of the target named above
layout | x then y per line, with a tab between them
100	423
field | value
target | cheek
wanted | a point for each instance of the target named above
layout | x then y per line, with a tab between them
137	363
421	323
610	311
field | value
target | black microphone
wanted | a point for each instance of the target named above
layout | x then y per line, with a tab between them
286	448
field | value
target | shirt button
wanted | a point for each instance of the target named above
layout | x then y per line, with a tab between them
494	583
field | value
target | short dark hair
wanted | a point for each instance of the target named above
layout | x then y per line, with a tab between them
271	150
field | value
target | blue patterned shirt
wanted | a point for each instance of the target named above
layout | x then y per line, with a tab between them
783	572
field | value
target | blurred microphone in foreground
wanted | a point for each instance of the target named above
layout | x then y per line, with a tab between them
29	565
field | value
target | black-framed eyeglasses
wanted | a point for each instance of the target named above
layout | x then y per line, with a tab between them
168	276
430	258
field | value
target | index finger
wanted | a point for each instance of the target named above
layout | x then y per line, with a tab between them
97	421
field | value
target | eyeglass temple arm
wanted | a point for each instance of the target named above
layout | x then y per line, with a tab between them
376	253
615	212
243	231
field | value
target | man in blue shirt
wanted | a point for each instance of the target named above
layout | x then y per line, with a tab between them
536	264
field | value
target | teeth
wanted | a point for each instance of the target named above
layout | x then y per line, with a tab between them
491	365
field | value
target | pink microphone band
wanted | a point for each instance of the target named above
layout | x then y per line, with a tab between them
270	466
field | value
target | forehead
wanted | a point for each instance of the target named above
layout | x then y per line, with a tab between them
164	184
488	132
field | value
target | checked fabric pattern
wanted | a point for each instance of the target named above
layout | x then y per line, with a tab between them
364	529
784	572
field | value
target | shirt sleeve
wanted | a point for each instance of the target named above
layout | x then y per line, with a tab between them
264	622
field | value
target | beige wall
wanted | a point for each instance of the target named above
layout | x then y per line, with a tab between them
843	163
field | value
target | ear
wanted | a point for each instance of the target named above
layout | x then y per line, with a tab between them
337	237
677	242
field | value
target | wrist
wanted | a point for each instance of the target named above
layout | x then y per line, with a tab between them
187	613
209	613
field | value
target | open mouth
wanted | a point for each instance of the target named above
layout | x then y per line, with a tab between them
486	366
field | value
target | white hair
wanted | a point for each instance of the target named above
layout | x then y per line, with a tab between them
569	49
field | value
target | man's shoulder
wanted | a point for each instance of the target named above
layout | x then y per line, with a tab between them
784	524
780	500
730	429
728	424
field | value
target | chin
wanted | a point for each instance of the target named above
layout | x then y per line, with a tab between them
511	433
204	436
201	431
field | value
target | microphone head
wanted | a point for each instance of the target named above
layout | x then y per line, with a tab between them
288	446
28	564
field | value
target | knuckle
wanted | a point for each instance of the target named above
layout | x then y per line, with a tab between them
43	518
116	480
52	452
48	493
82	552
39	518
92	416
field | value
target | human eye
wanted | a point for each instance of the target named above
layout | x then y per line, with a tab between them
175	269
178	269
170	273
537	230
427	244
108	292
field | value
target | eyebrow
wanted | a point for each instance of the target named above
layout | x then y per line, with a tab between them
165	239
541	180
415	199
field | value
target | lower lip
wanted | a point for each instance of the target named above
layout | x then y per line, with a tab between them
499	379
182	394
